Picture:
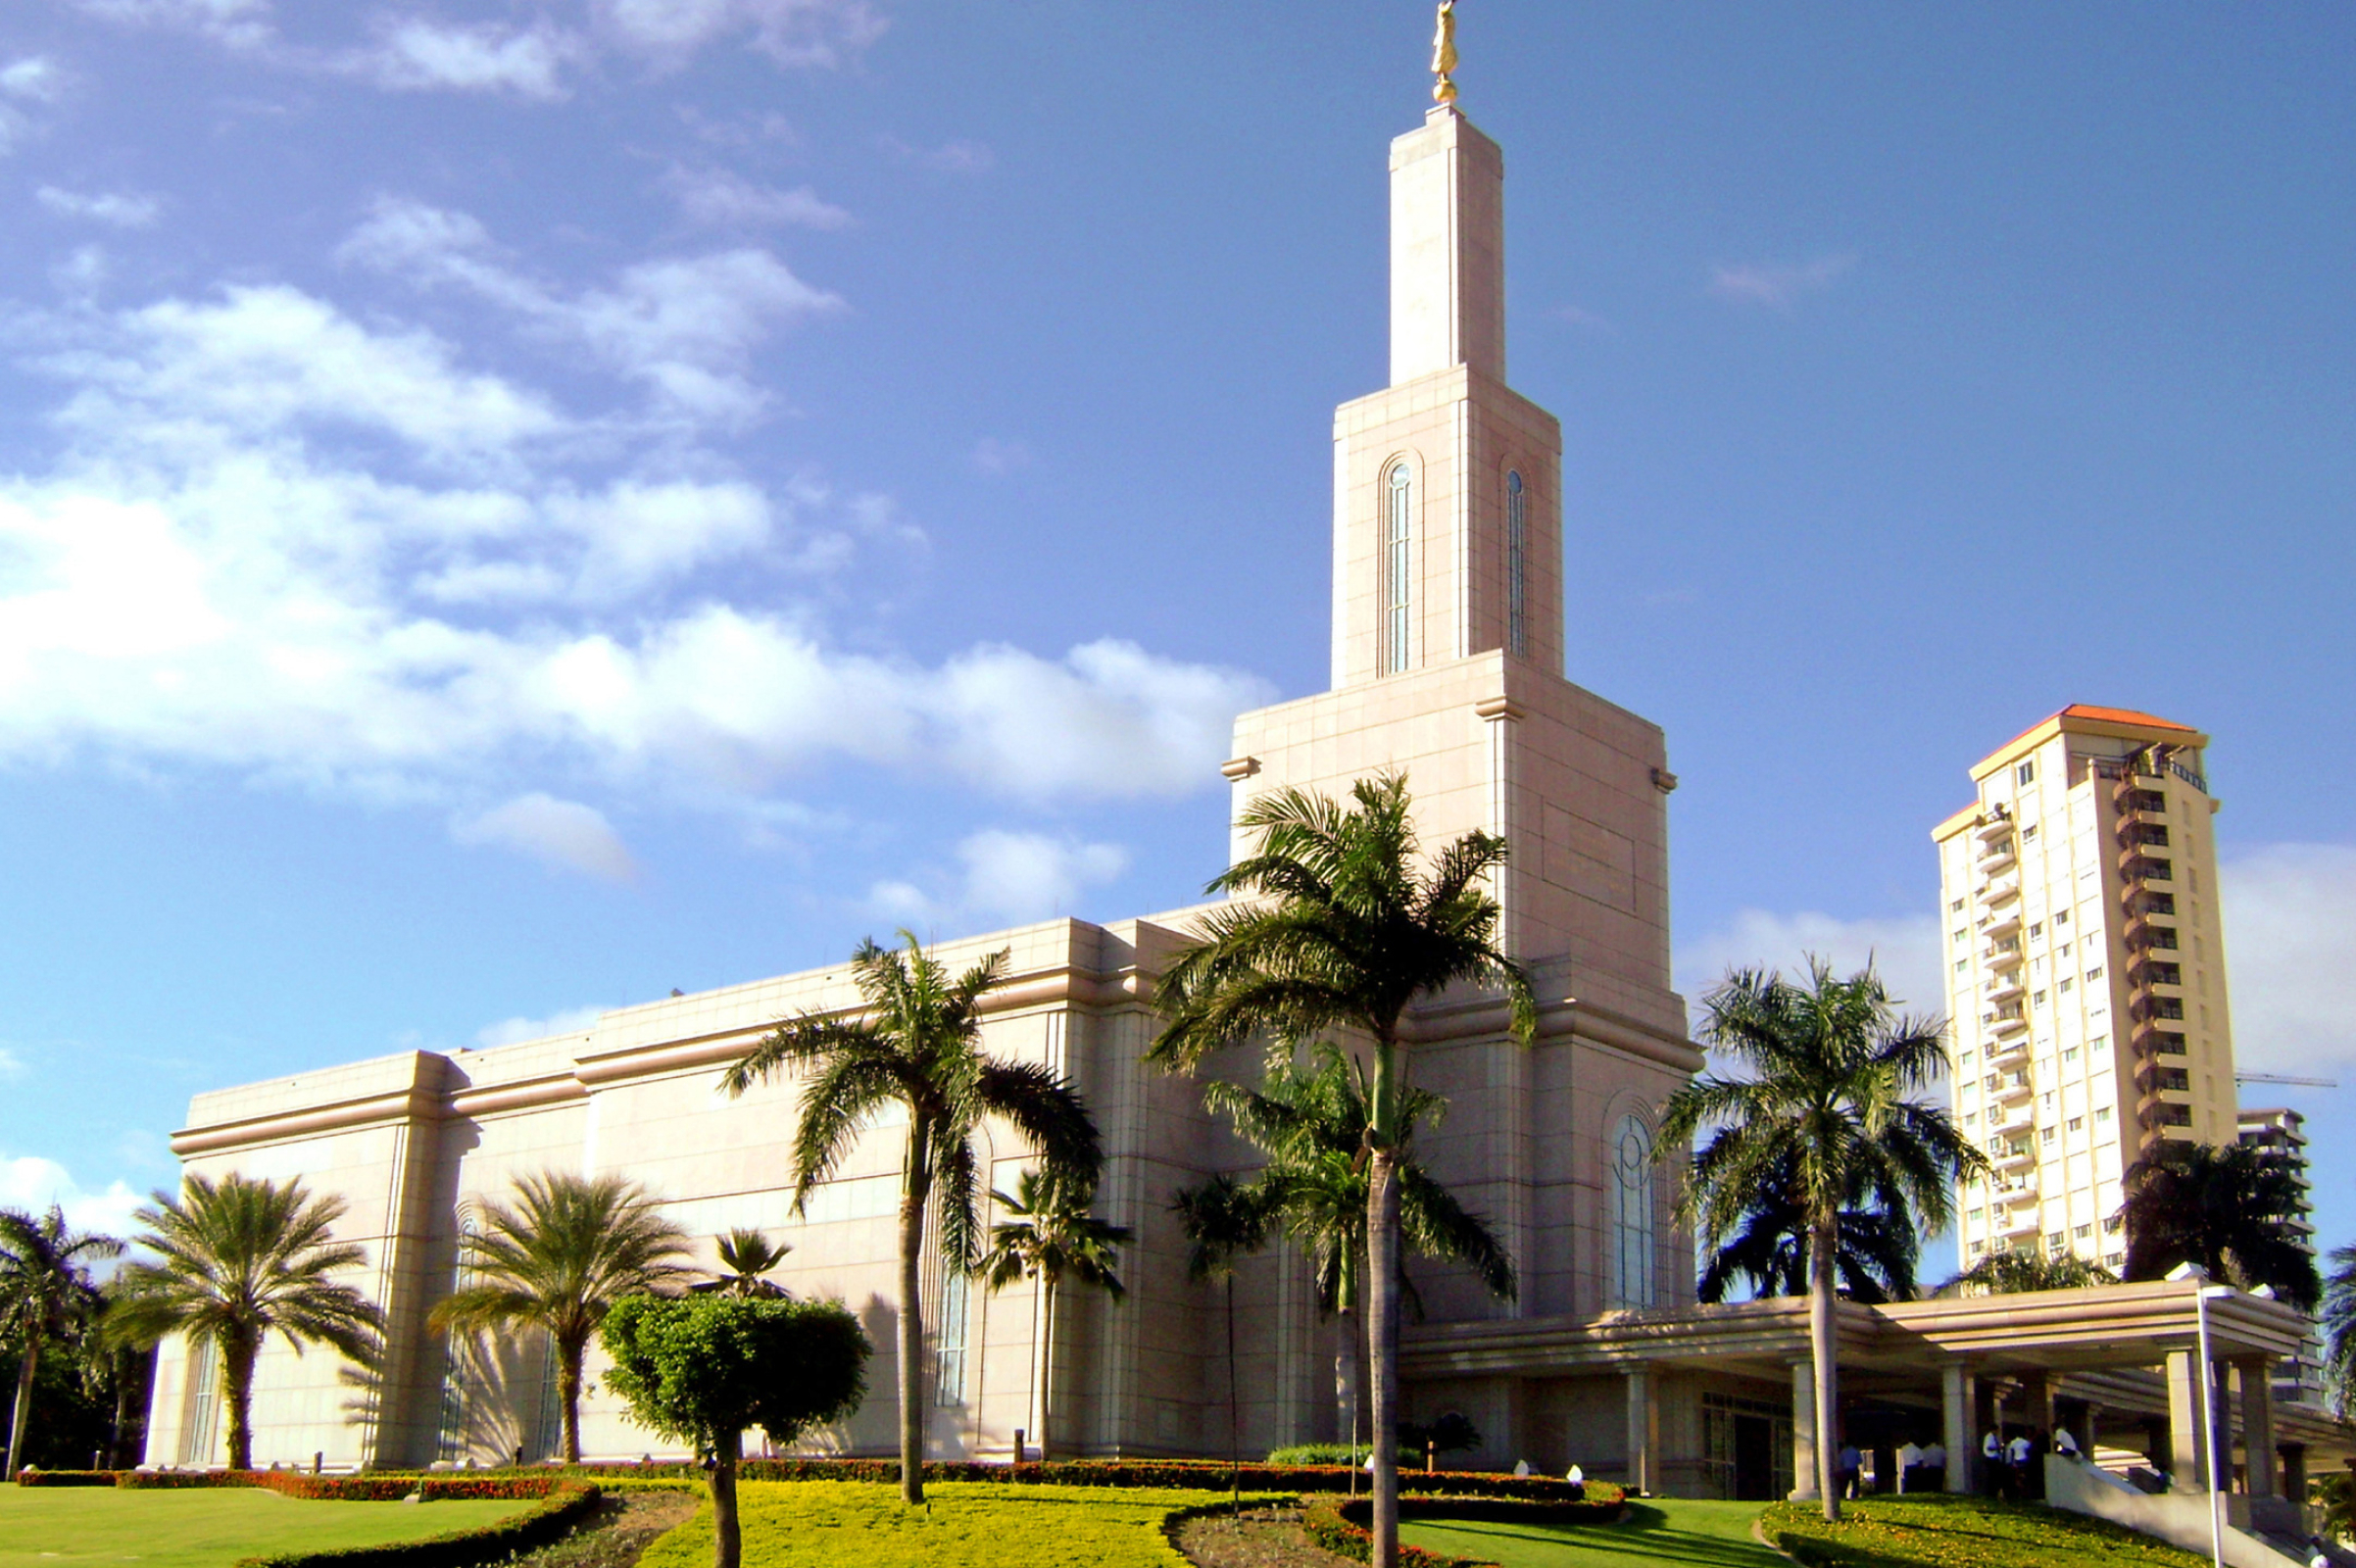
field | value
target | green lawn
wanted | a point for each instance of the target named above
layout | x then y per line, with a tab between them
86	1527
1664	1530
857	1524
1936	1531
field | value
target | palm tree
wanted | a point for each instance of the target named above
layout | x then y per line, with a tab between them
1222	1221
1336	927
45	1295
918	1045
2339	1339
2228	1208
1311	1122
242	1259
746	1258
1826	1101
570	1248
1876	1250
1051	1237
2015	1273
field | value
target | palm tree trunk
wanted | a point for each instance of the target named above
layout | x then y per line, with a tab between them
1047	1359
570	1354
1382	1324
728	1539
914	1191
21	1413
1235	1423
237	1373
1823	1346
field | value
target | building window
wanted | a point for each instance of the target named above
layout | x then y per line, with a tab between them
2061	917
948	1372
2026	773
450	1440
204	1403
2102	1114
1631	1215
1400	559
1963	967
1956	907
1517	546
2093	974
2036	929
2028	833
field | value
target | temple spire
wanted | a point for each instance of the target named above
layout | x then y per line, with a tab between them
1443	55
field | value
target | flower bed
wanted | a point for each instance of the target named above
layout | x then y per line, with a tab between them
1325	1527
29	1476
1601	1506
384	1487
562	1504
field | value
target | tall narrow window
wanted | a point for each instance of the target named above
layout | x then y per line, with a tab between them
1631	1215
948	1371
1398	566
1517	566
204	1403
451	1440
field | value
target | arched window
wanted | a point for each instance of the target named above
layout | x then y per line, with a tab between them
1631	1265
1399	567
1517	583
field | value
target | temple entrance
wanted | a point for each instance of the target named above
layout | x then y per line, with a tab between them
1754	1458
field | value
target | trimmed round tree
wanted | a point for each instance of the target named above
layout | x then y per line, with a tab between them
702	1369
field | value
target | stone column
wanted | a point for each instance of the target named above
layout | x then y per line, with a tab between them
2038	1391
1956	1403
2258	1422
1803	1433
2187	1455
1643	1432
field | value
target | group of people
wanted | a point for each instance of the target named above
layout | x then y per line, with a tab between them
1920	1469
2014	1467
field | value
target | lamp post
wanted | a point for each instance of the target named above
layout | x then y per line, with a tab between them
2208	1400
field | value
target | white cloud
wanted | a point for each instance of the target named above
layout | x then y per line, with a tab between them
33	1184
120	209
34	79
512	1031
824	34
2290	946
12	1065
720	199
1904	949
415	54
563	834
238	24
997	458
955	157
684	325
1778	285
1005	876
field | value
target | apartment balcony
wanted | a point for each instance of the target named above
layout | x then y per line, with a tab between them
2011	1088
2004	988
2001	922
2000	956
2142	923
2001	1025
1995	858
1995	894
2163	1035
2007	1052
2020	1222
2012	1159
2142	872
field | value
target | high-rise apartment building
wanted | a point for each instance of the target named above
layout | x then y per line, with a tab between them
2280	1136
2085	974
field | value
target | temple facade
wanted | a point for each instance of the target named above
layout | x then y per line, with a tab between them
1447	664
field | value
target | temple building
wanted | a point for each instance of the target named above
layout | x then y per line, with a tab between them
1447	664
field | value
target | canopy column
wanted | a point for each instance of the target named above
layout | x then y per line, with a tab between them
1803	1433
1643	1432
2257	1374
1956	1396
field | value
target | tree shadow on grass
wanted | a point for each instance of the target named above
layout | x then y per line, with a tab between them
1646	1535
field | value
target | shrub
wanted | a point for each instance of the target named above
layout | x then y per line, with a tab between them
1938	1531
29	1476
1601	1505
1341	1454
562	1506
377	1488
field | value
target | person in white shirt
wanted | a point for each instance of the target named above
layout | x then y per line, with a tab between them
1910	1460
1934	1467
2017	1455
2065	1445
1991	1464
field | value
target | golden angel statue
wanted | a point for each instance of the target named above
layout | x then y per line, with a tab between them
1443	54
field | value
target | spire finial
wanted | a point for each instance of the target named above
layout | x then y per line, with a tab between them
1443	55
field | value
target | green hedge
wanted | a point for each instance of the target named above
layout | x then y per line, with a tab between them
1208	1474
1325	1527
564	1505
1339	1454
376	1487
1602	1506
29	1476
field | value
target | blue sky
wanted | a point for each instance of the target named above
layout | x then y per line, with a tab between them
507	508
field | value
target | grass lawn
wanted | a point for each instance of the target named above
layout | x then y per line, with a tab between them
1936	1531
86	1527
1664	1530
859	1524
